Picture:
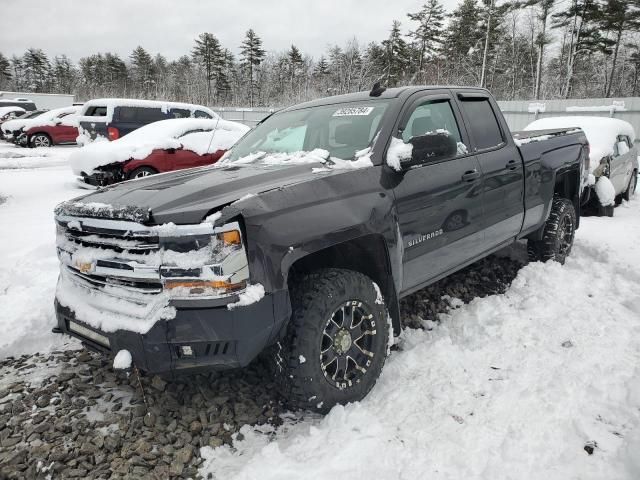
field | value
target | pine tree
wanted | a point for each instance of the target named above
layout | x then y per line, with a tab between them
396	55
5	71
209	54
36	70
428	34
616	17
64	74
294	61
143	69
252	55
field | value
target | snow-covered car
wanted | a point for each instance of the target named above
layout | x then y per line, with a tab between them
112	118
15	130
613	158
8	113
159	147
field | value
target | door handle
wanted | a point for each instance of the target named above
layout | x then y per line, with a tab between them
471	175
511	165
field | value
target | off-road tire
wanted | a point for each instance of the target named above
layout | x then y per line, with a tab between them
141	172
558	234
40	140
631	188
297	359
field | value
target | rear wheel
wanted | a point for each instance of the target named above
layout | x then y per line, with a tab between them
41	140
142	172
558	235
336	342
631	188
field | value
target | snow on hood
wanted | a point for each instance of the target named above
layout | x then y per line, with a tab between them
600	131
5	110
200	135
46	119
112	103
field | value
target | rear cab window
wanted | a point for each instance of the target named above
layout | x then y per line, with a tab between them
482	122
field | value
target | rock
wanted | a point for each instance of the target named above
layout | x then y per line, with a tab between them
184	455
195	427
65	376
149	419
43	401
158	383
215	442
176	468
567	344
84	357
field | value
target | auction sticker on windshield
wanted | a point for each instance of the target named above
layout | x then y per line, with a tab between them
349	111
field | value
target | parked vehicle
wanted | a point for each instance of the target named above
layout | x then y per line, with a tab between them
613	164
43	101
28	105
24	116
9	113
112	118
300	242
40	129
155	148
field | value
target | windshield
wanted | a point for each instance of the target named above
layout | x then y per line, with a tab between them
341	129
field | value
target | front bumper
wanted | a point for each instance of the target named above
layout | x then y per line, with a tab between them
219	338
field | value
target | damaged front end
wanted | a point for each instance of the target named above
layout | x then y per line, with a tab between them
103	176
160	292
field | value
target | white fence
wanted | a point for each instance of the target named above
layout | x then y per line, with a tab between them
518	113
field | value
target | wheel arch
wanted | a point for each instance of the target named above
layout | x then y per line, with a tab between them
38	132
368	254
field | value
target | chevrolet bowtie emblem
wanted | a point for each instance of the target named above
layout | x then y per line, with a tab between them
84	267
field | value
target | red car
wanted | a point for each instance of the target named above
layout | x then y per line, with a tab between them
159	147
160	161
46	136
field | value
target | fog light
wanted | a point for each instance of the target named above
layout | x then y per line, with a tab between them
186	351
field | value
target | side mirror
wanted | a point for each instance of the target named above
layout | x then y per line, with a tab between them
432	146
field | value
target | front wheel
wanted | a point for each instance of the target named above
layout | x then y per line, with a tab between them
559	232
336	343
40	140
142	172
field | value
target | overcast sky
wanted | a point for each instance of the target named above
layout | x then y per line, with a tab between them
82	27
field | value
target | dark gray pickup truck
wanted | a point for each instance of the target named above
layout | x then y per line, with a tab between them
301	241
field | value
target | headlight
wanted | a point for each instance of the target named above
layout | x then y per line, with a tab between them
218	267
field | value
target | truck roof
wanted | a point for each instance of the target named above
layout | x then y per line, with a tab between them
388	93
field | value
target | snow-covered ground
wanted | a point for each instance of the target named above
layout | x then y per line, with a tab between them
511	386
28	262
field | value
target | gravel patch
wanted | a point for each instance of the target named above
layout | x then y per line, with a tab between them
68	414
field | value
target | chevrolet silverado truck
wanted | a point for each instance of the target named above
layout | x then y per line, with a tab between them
300	242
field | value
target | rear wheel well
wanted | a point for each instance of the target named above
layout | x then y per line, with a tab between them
568	186
368	255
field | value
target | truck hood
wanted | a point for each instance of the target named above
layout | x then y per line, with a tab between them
185	196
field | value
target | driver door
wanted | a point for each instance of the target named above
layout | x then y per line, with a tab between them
438	195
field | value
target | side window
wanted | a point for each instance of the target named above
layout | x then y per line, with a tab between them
126	114
201	114
482	122
148	115
96	112
622	146
432	130
179	113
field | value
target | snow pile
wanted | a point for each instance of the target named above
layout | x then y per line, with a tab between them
398	151
112	103
122	361
65	115
605	191
317	155
200	135
252	294
601	132
13	156
501	397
